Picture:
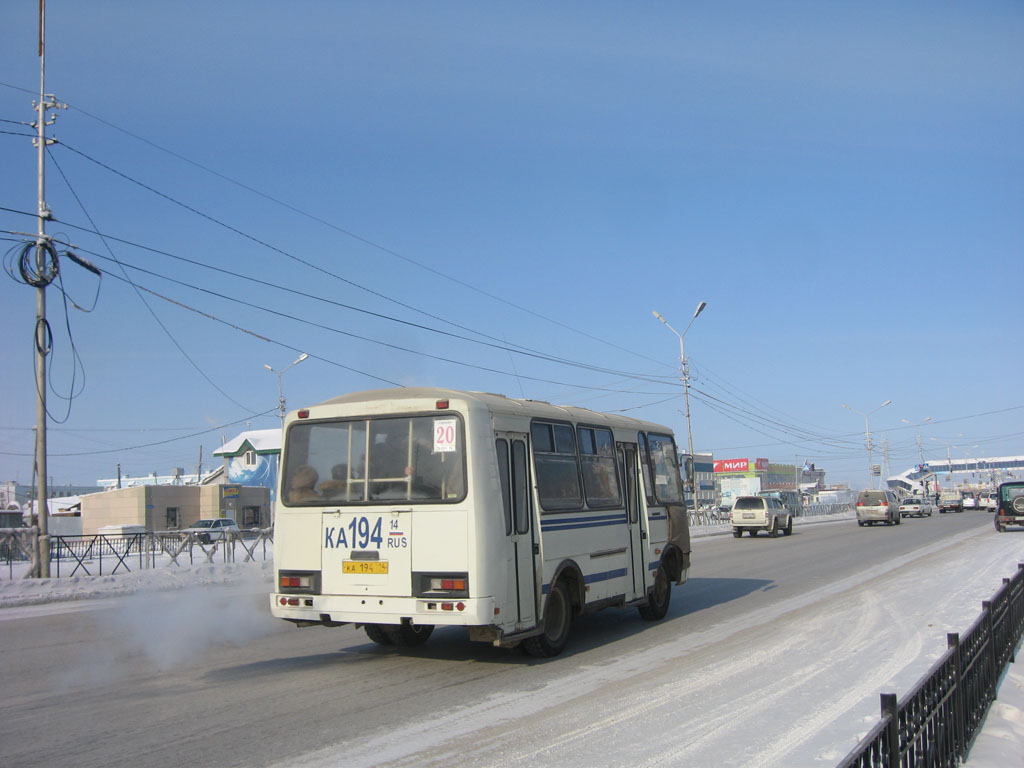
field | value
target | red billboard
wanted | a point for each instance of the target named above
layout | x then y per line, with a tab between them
741	465
732	465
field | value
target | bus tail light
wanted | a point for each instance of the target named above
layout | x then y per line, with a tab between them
303	582
446	585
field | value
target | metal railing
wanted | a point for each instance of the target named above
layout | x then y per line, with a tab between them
936	723
716	516
105	554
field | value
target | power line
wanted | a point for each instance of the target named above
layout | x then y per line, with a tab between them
138	293
357	237
154	444
516	348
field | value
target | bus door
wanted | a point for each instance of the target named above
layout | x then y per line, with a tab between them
517	504
635	522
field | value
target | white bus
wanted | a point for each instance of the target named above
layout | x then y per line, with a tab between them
400	510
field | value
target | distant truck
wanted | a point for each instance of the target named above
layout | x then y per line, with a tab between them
950	501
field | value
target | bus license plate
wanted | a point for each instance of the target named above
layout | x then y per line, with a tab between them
364	566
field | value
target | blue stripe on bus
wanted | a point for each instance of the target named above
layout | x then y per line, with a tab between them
595	577
582	522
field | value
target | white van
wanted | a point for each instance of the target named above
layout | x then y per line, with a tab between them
878	507
756	513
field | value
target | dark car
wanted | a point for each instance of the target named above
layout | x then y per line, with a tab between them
1010	498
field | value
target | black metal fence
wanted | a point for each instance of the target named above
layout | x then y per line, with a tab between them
103	554
936	723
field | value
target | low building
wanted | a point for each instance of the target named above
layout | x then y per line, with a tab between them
704	476
174	507
252	458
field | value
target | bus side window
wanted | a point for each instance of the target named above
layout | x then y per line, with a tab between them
558	472
645	463
503	477
520	487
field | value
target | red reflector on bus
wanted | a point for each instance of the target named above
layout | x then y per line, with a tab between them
303	414
441	405
447	606
283	601
460	605
293	601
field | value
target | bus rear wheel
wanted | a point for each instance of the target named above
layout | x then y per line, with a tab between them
659	598
408	634
557	621
377	634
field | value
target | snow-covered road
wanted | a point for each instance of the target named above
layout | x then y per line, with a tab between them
795	683
772	655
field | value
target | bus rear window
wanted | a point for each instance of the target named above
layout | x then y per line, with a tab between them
419	458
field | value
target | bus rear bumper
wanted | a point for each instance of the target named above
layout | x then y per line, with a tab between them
345	609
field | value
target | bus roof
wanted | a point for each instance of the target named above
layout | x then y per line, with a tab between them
499	403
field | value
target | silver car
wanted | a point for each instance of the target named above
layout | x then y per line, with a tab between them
877	507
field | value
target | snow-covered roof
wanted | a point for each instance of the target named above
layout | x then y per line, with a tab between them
261	440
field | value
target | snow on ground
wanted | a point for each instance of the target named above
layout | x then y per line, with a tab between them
20	591
1001	743
883	635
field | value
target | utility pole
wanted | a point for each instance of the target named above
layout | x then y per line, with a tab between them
867	435
280	387
46	269
684	365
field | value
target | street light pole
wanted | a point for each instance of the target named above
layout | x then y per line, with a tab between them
867	433
684	366
280	386
917	430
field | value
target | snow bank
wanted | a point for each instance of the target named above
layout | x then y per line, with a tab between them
22	592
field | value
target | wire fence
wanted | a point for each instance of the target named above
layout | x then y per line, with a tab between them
104	554
936	723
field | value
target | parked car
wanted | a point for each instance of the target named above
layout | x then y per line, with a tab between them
756	513
917	506
990	501
877	507
969	500
213	529
949	501
1011	504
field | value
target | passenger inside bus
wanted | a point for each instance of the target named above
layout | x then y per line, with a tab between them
302	484
337	486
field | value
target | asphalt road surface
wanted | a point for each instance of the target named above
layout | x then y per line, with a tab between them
207	678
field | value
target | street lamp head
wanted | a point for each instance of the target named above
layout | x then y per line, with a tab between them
657	314
269	368
302	357
887	402
700	308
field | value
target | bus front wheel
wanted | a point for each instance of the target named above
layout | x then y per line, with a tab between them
660	597
557	620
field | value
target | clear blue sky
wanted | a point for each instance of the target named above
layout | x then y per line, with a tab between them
843	183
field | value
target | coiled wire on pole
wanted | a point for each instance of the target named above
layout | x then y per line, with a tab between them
30	270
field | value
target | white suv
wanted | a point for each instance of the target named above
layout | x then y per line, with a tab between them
756	513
